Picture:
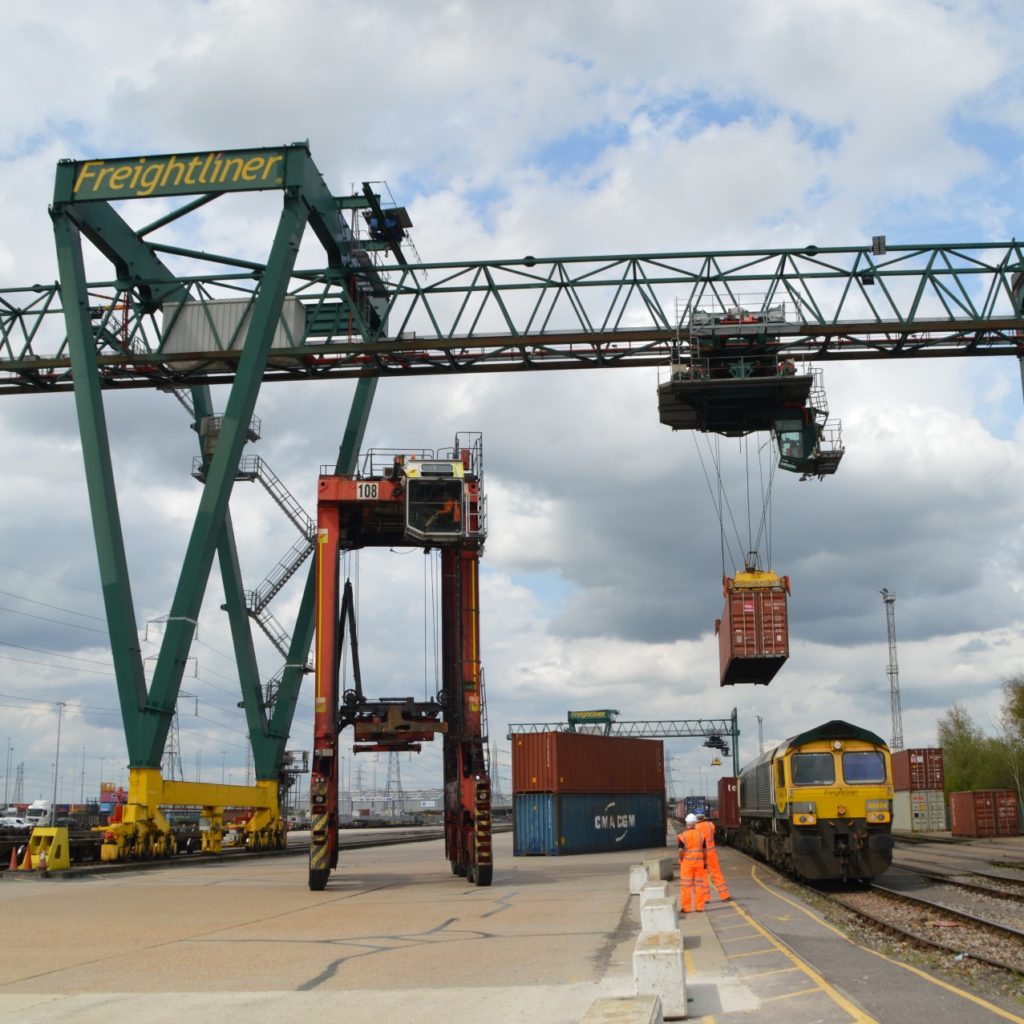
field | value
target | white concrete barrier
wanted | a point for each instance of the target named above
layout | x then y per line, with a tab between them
661	869
658	970
653	891
637	879
659	915
628	1010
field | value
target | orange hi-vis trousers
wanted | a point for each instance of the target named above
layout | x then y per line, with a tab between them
714	871
691	870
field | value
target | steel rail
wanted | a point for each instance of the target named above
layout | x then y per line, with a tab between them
915	937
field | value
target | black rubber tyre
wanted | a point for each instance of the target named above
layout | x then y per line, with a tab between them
318	879
483	875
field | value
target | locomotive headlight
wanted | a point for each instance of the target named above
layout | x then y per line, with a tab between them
805	813
877	811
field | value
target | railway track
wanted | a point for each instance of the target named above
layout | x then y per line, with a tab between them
987	932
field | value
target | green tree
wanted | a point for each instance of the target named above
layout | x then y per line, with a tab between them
965	750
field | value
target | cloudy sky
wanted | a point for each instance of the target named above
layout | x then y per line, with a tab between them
554	129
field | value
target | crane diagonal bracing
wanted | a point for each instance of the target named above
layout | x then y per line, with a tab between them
512	315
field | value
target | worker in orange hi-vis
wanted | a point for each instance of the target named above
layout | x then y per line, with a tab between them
692	866
714	872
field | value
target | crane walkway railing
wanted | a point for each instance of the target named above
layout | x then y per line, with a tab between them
274	631
252	467
288	565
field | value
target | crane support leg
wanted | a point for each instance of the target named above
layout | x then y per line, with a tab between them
467	785
323	839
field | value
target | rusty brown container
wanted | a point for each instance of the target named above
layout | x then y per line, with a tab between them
918	768
984	812
728	802
571	762
753	632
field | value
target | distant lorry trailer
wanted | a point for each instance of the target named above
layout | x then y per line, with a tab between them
38	813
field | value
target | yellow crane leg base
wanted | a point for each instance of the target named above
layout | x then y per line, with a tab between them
51	849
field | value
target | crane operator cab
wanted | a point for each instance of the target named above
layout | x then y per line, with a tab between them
435	499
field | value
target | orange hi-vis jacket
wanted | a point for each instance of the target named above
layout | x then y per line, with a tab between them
714	871
691	870
707	830
691	847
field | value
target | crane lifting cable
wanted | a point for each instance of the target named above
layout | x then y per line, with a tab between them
741	553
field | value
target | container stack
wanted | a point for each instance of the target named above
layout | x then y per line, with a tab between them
580	793
753	632
919	803
984	813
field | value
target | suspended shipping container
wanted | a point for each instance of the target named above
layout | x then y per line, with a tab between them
753	632
920	810
984	812
570	762
557	824
919	768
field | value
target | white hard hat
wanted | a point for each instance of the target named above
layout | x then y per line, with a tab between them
691	819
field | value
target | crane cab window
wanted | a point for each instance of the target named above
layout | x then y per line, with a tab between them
813	769
433	508
863	766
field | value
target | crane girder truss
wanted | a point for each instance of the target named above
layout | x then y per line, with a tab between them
525	314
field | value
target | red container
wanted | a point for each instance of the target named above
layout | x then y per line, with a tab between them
919	768
572	762
753	632
984	812
728	802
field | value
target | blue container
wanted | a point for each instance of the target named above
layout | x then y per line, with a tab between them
553	824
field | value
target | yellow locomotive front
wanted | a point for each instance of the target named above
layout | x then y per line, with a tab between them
820	804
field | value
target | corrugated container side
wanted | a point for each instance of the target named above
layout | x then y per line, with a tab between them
220	324
558	824
728	802
753	635
984	812
922	810
918	768
568	762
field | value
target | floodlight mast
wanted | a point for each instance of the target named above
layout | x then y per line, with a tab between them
893	672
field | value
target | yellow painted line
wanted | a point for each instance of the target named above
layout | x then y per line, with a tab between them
998	1011
768	974
321	539
792	995
740	938
858	1016
688	964
756	952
